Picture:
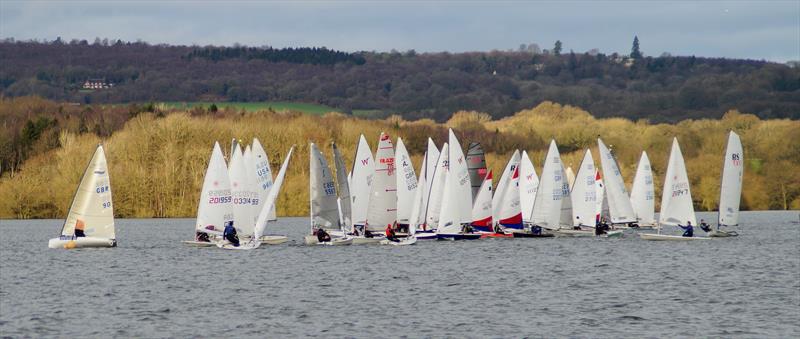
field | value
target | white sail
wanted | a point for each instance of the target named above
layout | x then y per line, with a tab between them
528	183
676	200
216	207
92	206
418	209
324	209
427	170
457	200
436	193
343	187
731	187
263	176
509	214
251	182
584	193
619	202
476	162
242	193
565	219
601	196
643	196
549	196
406	184
501	187
382	210
269	201
482	206
570	176
361	182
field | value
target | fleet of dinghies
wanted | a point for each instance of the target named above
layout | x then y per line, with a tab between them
384	200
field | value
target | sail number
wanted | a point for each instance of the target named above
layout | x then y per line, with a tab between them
219	200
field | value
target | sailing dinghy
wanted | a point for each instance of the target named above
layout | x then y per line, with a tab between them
456	213
676	200
429	162
585	198
215	209
552	209
260	224
382	210
324	210
90	222
730	192
619	203
643	194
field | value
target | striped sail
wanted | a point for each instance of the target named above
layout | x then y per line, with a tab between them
382	210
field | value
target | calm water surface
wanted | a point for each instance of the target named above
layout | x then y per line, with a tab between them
153	286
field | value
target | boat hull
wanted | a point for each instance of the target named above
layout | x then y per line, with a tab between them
497	235
468	236
426	236
312	240
531	235
723	234
406	241
573	233
664	237
274	239
366	241
195	243
81	242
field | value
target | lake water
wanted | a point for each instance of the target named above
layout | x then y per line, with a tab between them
153	286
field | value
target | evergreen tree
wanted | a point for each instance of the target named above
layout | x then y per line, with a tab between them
557	48
635	53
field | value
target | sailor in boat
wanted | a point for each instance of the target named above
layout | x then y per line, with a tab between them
688	229
367	233
323	236
79	227
202	237
466	228
578	226
230	234
705	226
390	235
536	230
497	229
601	227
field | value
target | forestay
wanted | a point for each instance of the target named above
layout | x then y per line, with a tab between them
215	208
324	209
92	203
731	187
382	209
528	183
676	200
584	193
643	193
619	202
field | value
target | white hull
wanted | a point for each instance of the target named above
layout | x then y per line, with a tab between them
723	234
573	233
274	239
366	241
312	240
613	234
664	237
426	236
81	242
406	241
195	243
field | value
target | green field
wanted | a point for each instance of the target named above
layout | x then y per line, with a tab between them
256	106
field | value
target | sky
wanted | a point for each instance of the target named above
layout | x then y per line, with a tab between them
767	30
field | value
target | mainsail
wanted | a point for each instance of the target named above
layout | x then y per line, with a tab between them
215	208
342	187
643	193
676	200
382	208
324	209
406	184
91	206
434	207
263	176
528	183
476	162
730	191
619	202
482	206
361	182
550	195
584	193
502	185
457	200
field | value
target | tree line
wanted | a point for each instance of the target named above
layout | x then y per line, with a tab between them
413	85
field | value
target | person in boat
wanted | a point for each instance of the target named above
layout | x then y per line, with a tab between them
230	235
466	228
202	237
536	230
498	229
79	227
390	235
688	229
600	227
578	226
705	226
323	236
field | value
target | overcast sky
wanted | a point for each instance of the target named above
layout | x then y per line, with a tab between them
736	29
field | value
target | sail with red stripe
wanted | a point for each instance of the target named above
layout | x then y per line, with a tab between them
482	207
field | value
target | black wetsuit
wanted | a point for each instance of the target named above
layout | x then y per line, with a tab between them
79	233
323	236
230	235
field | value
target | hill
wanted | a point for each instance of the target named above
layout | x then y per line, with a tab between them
412	85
